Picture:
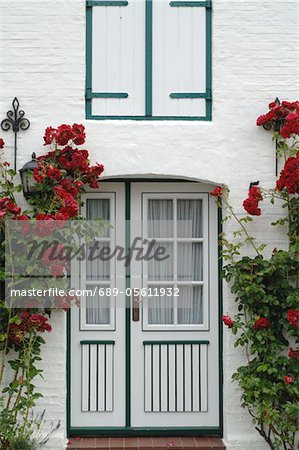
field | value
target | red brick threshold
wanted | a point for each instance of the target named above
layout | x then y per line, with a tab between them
146	443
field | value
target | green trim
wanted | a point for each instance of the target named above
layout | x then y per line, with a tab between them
107	95
68	370
207	4
220	324
209	62
201	118
176	342
128	305
164	431
148	57
178	95
97	342
91	3
88	56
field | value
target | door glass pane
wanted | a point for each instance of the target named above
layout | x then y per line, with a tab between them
189	214
97	307
96	268
161	270
160	306
190	307
190	261
99	208
160	218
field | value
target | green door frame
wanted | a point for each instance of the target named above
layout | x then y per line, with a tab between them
136	431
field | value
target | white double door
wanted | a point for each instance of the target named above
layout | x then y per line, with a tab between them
144	342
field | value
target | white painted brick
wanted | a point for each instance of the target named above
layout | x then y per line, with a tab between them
254	48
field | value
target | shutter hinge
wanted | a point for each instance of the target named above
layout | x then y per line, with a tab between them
88	94
209	94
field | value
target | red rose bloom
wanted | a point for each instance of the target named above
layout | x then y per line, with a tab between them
53	172
2	143
293	317
289	379
24	315
45	225
79	134
25	224
64	134
251	206
289	176
35	318
50	134
217	192
228	321
256	193
262	322
7	206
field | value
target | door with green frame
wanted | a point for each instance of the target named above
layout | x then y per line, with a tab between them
144	343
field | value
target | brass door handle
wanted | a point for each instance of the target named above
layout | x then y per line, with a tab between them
135	306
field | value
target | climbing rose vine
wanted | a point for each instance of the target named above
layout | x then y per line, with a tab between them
266	324
62	175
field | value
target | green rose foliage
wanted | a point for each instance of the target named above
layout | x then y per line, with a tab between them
266	292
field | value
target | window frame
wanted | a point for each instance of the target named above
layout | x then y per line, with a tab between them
89	95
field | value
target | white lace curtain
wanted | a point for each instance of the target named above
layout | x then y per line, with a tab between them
97	307
184	263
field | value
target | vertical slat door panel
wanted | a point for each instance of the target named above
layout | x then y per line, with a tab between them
148	378
156	378
188	369
179	59
97	376
164	370
109	377
196	377
93	377
85	378
172	378
118	54
175	378
204	377
180	378
101	381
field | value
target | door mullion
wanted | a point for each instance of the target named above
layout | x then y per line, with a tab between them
175	260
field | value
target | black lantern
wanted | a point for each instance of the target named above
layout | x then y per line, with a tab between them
26	173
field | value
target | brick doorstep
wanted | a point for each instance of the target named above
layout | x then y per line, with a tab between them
146	443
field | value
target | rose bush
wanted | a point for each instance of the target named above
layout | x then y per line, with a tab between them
61	177
266	294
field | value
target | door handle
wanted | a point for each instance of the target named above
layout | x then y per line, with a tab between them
135	306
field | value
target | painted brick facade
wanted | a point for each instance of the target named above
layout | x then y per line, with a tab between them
254	60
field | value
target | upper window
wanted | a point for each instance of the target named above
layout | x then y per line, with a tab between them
148	59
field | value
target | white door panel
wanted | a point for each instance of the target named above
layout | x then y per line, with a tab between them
177	355
98	327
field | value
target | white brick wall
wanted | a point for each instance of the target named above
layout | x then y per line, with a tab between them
254	60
